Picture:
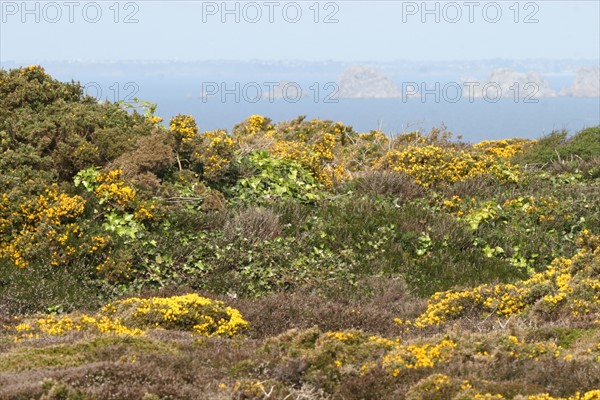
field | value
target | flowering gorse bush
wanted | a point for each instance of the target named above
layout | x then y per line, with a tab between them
215	154
110	187
416	356
49	218
184	128
506	148
436	164
134	316
186	313
569	287
441	386
355	351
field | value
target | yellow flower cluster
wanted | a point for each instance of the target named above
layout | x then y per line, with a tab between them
144	212
432	164
502	300
520	349
216	153
416	356
45	217
61	326
543	208
570	283
358	351
132	316
316	158
435	386
98	242
188	312
323	148
342	336
101	325
247	389
4	210
341	132
112	188
506	148
31	69
443	386
52	207
329	175
155	119
184	128
357	348
374	136
439	381
293	150
325	170
487	396
256	123
591	395
314	144
453	206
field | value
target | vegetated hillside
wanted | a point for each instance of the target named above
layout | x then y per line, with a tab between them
290	260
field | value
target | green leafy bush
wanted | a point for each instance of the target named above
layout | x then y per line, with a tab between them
274	178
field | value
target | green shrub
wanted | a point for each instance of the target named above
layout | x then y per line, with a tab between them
273	179
583	145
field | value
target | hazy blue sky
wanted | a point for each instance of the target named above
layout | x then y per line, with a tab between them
365	30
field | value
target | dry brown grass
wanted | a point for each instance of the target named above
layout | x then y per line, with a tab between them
388	183
374	313
254	224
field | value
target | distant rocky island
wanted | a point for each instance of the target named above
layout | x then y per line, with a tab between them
362	82
359	79
513	84
587	83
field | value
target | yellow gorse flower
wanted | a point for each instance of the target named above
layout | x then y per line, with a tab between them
432	164
567	278
188	312
183	127
112	188
506	148
47	217
216	153
133	316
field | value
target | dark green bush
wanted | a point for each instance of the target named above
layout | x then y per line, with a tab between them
558	146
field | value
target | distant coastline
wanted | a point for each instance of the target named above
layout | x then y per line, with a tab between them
360	79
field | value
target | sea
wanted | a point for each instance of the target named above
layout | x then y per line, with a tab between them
472	119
